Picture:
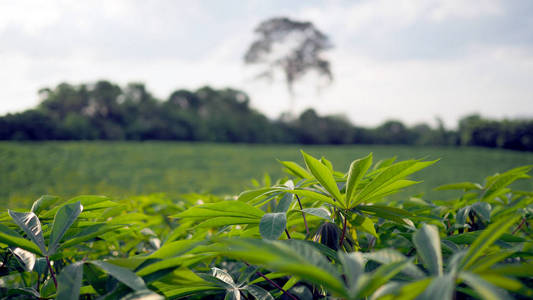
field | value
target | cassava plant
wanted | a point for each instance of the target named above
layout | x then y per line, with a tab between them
315	234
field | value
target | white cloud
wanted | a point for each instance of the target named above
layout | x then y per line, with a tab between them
392	58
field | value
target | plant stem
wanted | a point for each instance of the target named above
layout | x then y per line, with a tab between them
51	271
288	235
519	226
274	284
303	215
343	231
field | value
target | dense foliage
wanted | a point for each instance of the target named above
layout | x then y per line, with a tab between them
315	233
105	111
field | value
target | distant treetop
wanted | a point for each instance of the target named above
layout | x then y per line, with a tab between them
295	47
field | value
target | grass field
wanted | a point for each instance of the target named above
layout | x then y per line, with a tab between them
28	170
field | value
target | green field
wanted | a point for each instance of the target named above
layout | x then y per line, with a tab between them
120	169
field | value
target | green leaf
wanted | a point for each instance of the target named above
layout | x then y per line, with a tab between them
388	256
470	237
466	186
316	196
227	208
258	292
273	225
482	209
365	224
12	238
427	243
175	248
29	222
483	288
499	182
294	257
43	203
296	169
284	203
389	175
353	265
69	281
123	275
64	218
250	195
225	221
143	295
317	211
324	176
443	286
88	233
358	169
491	234
397	215
223	276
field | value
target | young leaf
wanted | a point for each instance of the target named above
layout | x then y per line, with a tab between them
358	169
65	217
427	243
29	222
69	281
44	202
324	176
272	225
296	169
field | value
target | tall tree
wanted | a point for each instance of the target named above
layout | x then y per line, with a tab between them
294	47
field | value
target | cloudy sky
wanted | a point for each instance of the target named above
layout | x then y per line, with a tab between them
408	60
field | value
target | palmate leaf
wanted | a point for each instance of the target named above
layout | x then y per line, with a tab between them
490	235
29	222
398	215
273	225
291	256
388	176
64	218
498	182
324	176
427	243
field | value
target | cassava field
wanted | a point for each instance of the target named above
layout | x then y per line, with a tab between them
121	169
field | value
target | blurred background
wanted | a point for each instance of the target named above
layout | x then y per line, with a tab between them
133	97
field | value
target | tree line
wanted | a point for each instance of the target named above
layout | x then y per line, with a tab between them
107	111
